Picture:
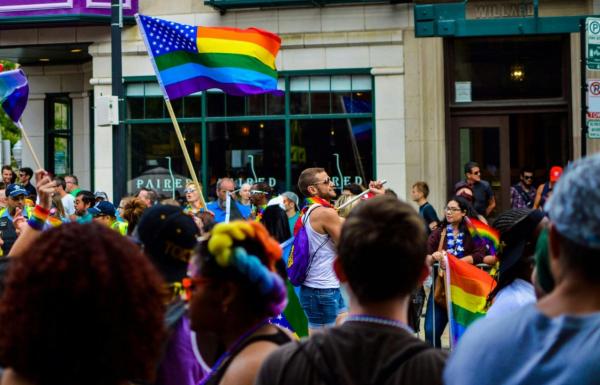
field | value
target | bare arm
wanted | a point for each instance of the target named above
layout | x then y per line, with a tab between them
327	221
491	205
538	197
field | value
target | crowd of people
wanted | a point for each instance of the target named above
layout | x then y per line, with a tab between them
153	291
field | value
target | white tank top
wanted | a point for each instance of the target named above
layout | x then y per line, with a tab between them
320	274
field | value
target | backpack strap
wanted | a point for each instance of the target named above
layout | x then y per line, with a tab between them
304	220
525	197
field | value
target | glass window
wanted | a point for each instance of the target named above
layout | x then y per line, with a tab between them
192	106
315	143
155	154
241	149
528	67
215	103
154	108
59	134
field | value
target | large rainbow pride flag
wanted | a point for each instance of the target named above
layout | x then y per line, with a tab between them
467	289
14	91
189	59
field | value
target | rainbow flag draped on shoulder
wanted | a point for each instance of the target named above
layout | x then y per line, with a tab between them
189	59
467	289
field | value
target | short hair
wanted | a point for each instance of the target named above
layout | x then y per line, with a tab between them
264	187
74	178
152	195
422	187
60	181
581	259
526	169
307	178
7	167
221	180
354	188
104	300
132	212
87	197
470	165
382	249
27	170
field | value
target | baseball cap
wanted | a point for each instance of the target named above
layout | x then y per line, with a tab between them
574	207
14	190
169	238
277	201
555	173
101	194
292	196
103	208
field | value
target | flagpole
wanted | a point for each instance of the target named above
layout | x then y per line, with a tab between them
28	143
186	155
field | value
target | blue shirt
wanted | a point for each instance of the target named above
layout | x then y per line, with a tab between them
527	347
220	212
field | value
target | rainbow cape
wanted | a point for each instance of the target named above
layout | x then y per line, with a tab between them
189	59
14	91
488	234
467	289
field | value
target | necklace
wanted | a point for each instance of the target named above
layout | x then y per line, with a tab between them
379	320
238	342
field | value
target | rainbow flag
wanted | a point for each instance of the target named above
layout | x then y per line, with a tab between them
189	59
488	234
467	289
14	91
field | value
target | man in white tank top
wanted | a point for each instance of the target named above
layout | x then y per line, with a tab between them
320	294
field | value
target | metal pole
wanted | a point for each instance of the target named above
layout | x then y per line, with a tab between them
583	70
116	24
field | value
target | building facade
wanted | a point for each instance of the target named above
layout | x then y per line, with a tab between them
372	89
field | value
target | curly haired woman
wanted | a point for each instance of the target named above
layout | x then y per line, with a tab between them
236	291
81	305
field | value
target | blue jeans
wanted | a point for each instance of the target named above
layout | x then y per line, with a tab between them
441	319
321	306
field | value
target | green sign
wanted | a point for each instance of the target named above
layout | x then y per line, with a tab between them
593	129
592	34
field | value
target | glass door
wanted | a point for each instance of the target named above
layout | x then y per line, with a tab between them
485	140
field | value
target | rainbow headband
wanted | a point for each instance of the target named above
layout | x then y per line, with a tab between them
269	283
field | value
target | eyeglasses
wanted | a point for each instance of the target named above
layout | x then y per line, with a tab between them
476	173
326	181
189	190
452	209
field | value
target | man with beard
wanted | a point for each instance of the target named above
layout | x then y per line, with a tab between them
522	194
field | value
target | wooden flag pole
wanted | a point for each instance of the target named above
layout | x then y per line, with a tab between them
186	155
28	143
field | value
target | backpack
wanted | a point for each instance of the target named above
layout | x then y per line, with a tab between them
300	258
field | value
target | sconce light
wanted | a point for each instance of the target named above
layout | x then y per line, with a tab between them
517	73
245	131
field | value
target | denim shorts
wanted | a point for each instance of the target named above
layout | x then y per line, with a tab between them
321	306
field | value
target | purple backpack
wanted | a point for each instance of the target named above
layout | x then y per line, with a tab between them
300	257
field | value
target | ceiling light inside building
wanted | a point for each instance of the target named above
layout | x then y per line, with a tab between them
44	59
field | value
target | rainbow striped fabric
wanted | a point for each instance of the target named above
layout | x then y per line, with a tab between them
488	234
14	91
189	59
467	289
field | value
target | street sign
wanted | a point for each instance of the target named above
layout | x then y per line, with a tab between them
592	42
594	129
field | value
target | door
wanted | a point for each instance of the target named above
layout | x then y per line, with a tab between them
485	140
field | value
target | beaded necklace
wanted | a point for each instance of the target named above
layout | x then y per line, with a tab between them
233	348
454	246
379	320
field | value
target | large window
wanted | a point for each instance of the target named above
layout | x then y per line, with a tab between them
59	134
323	120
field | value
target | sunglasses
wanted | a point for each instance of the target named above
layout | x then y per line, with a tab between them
528	177
326	181
253	192
189	190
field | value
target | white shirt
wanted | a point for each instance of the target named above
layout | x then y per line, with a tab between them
68	202
512	297
320	273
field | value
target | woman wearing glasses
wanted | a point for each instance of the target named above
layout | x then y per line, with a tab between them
453	237
236	289
192	198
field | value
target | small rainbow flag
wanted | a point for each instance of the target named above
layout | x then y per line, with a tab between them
14	91
189	59
488	234
467	289
53	221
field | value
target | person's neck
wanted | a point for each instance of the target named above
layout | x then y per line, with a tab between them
455	226
394	309
237	329
195	204
62	193
421	201
572	295
245	202
525	187
290	213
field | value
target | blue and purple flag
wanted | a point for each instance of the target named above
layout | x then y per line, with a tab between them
14	91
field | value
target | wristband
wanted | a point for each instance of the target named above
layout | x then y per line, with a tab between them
38	218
